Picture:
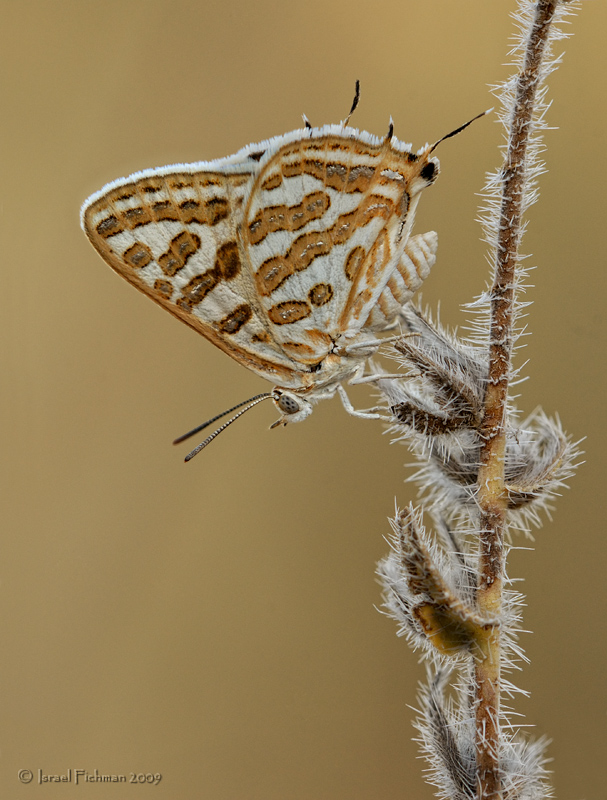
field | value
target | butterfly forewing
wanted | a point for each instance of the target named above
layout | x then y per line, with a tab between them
176	237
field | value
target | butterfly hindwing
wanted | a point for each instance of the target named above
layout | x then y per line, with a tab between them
326	223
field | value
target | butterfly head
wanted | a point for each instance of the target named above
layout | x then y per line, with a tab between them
292	407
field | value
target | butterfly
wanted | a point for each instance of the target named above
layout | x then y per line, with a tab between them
290	255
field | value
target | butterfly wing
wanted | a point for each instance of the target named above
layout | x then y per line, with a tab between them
273	254
326	222
174	234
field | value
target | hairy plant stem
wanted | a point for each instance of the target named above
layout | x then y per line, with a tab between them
492	493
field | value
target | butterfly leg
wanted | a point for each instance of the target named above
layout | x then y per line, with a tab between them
372	343
374	378
359	376
366	414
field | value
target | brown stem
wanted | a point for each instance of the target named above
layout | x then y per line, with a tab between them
492	497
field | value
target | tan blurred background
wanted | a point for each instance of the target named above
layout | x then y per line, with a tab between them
215	622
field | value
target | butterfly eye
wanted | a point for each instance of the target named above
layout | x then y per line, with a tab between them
288	404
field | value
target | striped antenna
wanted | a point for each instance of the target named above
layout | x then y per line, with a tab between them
252	401
204	425
459	130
